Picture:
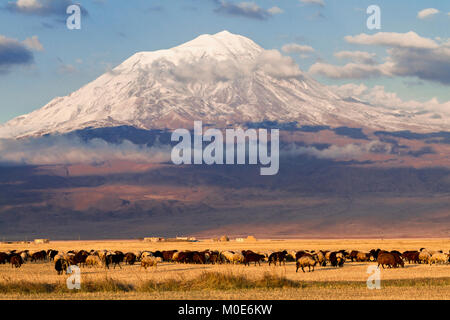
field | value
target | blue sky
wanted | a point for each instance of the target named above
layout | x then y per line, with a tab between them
63	60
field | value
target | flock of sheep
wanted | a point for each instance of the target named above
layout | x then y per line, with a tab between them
303	258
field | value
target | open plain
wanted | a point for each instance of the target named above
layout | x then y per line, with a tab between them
39	280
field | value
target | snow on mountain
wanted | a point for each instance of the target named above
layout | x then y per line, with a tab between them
220	79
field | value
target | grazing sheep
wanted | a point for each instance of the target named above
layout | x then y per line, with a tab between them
353	255
320	258
411	256
168	255
93	261
130	258
387	259
398	258
337	259
25	256
138	255
227	256
306	261
175	256
149	262
439	258
3	257
253	257
237	258
424	256
61	266
290	257
146	254
278	257
16	261
362	256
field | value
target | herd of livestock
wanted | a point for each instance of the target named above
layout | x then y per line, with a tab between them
303	258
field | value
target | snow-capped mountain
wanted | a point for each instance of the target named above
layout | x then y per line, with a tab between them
220	79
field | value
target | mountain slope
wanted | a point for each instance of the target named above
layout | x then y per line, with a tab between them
221	79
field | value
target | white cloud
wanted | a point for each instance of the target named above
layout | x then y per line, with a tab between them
275	10
409	55
379	97
13	53
33	43
63	150
350	70
350	90
246	9
393	39
348	152
29	4
314	2
427	13
357	56
276	65
271	62
297	48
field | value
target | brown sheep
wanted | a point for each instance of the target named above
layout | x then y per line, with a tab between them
387	259
130	258
306	261
362	256
253	257
16	261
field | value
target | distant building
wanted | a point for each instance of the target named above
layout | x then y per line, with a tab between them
248	239
39	241
153	239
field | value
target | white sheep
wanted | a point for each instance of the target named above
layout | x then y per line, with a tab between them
93	261
439	257
149	261
233	257
424	256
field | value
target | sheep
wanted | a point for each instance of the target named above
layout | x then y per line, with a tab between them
138	255
25	256
93	261
439	257
232	257
387	259
58	256
306	261
149	261
424	256
61	266
227	256
175	256
290	257
362	256
320	258
146	254
130	258
16	261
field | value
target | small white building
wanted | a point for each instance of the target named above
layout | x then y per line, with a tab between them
40	241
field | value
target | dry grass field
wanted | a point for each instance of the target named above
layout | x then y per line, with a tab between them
189	281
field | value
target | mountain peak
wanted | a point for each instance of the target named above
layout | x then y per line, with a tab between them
221	78
222	44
